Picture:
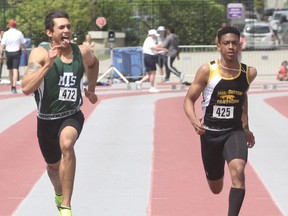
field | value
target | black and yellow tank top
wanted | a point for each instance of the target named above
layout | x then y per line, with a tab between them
223	99
59	95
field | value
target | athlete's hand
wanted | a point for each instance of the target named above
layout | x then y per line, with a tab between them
91	96
198	126
52	54
250	138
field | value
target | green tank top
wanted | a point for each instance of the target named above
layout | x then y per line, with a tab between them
59	95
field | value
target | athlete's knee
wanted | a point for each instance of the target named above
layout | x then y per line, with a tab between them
68	138
237	172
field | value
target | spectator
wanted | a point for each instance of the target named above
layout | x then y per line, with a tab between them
89	43
13	41
243	45
243	42
161	56
150	51
171	43
282	74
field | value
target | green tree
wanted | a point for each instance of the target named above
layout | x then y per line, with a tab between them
30	15
259	6
195	21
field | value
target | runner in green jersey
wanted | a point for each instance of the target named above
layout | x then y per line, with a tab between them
54	76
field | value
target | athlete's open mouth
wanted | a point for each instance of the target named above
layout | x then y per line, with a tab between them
65	39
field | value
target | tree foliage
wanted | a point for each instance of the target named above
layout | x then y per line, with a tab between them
195	21
30	15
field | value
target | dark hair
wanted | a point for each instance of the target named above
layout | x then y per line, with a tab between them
49	23
226	30
171	29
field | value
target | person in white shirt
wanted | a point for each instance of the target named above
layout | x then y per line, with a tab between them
13	40
150	51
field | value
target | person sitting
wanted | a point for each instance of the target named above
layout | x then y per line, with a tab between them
283	72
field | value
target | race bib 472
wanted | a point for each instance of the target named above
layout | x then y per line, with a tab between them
67	94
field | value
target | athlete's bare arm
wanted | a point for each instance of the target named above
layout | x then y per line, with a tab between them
39	63
252	73
91	65
194	92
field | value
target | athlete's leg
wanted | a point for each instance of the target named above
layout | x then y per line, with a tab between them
68	137
213	160
236	154
236	169
53	173
237	191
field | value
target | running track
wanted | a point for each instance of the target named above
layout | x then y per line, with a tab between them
175	184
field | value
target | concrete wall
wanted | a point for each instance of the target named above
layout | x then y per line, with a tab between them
101	39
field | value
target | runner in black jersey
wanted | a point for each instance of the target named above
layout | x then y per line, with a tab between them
223	128
54	76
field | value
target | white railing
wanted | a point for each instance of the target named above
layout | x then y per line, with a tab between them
267	62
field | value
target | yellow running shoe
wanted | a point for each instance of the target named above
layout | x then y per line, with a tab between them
58	200
65	211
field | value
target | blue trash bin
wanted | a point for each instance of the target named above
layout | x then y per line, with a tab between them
129	62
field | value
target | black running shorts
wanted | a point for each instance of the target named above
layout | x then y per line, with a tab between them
48	132
13	59
150	62
220	146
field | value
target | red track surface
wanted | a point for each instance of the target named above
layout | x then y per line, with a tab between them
280	104
179	187
21	163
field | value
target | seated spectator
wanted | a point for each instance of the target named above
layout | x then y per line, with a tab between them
283	72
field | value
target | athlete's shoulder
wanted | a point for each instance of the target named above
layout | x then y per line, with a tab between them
203	72
38	55
252	73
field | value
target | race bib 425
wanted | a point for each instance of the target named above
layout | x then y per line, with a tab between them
223	112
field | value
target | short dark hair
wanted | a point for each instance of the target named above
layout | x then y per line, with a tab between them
171	29
226	30
49	23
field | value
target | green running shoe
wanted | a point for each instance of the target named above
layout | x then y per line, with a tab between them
65	211
58	200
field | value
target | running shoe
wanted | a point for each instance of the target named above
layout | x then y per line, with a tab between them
154	90
138	85
65	211
58	200
13	90
165	80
